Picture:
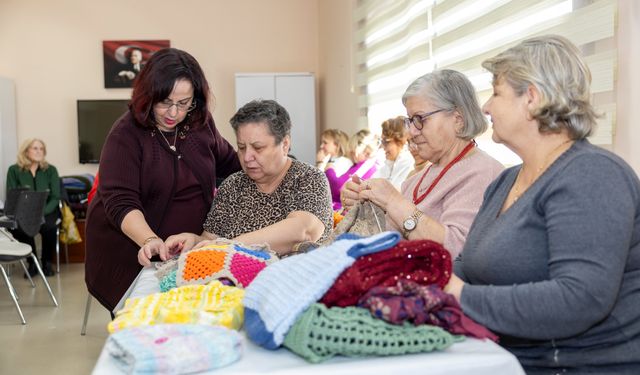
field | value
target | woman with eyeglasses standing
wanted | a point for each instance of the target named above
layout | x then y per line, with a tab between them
158	170
439	203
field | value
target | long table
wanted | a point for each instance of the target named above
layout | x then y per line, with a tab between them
471	356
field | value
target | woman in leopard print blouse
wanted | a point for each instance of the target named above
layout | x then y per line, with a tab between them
274	199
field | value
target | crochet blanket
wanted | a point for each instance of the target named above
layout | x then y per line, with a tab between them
173	348
213	304
321	333
221	259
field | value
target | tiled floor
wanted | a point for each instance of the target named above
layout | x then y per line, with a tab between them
50	342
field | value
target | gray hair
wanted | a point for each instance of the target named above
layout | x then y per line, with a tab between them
264	111
450	89
552	64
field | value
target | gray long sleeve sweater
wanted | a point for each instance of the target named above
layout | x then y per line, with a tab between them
557	275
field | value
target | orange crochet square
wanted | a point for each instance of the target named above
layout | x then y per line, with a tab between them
201	264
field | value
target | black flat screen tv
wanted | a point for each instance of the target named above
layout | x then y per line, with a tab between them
95	118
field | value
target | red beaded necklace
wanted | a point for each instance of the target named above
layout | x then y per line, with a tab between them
462	153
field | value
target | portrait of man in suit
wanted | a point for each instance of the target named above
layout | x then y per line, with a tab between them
124	59
133	67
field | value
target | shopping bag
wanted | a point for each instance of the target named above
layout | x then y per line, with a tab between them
69	233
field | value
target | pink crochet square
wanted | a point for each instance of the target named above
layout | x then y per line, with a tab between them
245	268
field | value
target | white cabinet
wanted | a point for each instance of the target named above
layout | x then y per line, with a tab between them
296	93
8	131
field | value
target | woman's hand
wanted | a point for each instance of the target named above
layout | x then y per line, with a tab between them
153	247
322	159
350	192
381	192
178	243
454	287
203	243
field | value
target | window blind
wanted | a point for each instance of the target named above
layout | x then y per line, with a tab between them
398	41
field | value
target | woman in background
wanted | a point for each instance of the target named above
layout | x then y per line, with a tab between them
399	162
157	172
362	150
332	158
552	262
34	173
334	147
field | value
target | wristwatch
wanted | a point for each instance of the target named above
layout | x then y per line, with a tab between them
411	223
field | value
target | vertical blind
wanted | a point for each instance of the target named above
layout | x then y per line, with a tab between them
400	40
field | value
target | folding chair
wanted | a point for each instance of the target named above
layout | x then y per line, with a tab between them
29	214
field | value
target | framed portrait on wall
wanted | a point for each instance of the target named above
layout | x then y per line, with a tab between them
123	59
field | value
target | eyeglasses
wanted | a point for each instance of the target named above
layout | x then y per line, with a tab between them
184	105
418	120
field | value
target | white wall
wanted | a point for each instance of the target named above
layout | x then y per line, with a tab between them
338	109
53	52
8	129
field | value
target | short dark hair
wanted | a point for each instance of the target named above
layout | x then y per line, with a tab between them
267	111
157	79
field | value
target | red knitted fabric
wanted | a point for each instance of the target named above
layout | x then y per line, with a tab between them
422	261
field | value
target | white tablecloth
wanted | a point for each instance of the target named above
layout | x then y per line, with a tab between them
468	357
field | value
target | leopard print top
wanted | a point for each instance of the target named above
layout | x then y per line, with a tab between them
239	207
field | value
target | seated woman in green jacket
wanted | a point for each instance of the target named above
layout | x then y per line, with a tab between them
34	173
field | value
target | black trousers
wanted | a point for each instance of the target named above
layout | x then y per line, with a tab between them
48	233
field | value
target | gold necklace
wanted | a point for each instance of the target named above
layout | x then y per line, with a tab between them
547	159
175	138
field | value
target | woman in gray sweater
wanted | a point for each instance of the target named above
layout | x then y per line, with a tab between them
552	260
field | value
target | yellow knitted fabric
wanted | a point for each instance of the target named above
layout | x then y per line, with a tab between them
214	304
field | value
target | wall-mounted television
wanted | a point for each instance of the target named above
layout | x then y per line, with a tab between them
95	118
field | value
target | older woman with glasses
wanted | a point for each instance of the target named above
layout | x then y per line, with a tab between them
275	199
439	203
158	172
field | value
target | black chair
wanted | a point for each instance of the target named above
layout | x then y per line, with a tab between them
12	202
29	216
30	211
